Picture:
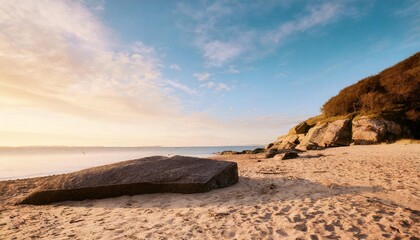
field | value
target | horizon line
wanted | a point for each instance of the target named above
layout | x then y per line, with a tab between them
64	146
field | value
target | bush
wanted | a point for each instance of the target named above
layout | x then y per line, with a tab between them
396	89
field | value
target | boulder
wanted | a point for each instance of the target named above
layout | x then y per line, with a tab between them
371	131
338	133
288	141
246	152
301	128
313	146
258	150
287	155
157	174
313	137
271	153
228	152
328	134
269	146
276	154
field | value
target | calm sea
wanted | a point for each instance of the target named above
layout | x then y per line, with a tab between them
26	162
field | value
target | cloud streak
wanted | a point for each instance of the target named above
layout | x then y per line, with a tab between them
175	67
216	86
222	39
218	52
202	76
181	87
66	80
318	16
59	50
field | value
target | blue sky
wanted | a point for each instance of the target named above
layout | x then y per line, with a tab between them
342	42
188	72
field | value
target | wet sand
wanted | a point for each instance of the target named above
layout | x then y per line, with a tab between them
356	192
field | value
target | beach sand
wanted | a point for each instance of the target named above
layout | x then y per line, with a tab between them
356	192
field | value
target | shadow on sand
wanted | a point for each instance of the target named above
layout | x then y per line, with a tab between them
248	192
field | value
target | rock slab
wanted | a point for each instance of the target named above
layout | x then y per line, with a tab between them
157	174
375	130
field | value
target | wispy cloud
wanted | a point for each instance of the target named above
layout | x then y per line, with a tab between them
411	13
222	39
175	67
412	8
73	58
182	87
233	70
216	86
60	69
218	52
206	78
96	5
63	70
222	87
202	76
205	22
317	16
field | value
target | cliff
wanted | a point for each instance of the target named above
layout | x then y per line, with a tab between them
380	108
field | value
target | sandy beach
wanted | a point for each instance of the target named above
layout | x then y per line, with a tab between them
355	192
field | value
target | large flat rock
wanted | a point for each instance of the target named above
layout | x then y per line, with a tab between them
157	174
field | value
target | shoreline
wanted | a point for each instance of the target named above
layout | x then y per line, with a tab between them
20	164
355	192
52	161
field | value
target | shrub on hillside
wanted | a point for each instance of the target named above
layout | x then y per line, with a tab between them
394	89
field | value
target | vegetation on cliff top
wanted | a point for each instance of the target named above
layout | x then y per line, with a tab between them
394	92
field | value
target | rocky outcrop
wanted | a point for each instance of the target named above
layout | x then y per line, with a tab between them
246	152
258	150
228	152
301	128
328	134
342	132
158	174
371	131
391	97
288	141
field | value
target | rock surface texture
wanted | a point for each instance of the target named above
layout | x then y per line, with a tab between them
301	128
371	131
275	153
285	156
288	141
328	134
228	152
157	174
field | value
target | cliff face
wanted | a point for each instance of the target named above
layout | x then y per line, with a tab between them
342	132
379	108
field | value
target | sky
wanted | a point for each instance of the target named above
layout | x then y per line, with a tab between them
186	73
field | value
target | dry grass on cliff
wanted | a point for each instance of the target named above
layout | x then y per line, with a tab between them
394	89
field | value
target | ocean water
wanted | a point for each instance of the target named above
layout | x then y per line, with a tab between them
27	162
